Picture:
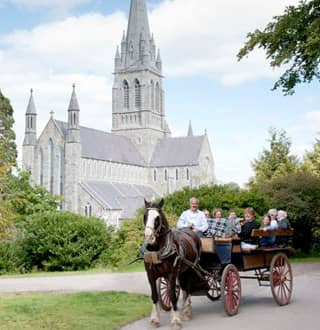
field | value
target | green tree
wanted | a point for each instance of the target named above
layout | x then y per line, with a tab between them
299	194
311	160
8	147
275	161
293	40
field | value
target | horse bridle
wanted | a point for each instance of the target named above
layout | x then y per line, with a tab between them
157	232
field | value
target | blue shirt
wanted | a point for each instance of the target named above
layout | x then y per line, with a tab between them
196	219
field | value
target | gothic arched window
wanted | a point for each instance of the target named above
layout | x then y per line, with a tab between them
154	175
165	175
61	170
187	174
137	89
50	164
126	94
41	167
88	210
177	174
152	95
157	97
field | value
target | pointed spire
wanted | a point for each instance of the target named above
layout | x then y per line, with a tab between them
31	108
190	130
158	61
74	105
138	33
123	37
117	53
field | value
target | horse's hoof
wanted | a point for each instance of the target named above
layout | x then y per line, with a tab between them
176	326
155	323
186	317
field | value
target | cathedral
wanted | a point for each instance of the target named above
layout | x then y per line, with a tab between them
108	174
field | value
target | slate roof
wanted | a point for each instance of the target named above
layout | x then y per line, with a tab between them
106	146
180	151
119	196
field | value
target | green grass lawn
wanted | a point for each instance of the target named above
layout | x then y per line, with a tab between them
105	311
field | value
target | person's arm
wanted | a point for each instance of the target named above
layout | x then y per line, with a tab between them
182	222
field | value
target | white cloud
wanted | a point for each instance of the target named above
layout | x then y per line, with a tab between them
203	37
45	3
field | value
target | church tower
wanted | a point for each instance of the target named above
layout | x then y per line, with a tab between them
30	137
138	97
72	156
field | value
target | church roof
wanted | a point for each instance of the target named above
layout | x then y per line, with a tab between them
105	146
119	196
179	151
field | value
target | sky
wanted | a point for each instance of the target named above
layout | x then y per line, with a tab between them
48	45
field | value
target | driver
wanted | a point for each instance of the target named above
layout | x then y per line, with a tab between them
193	218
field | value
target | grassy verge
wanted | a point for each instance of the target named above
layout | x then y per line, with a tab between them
108	310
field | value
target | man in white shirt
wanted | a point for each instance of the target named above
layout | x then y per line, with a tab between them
193	218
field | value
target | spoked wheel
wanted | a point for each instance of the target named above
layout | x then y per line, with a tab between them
231	290
281	279
214	292
164	293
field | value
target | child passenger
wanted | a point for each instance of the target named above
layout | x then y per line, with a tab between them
268	224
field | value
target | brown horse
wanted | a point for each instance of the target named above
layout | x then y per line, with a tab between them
170	254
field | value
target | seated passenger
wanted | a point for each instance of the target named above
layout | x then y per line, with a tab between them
209	219
193	218
268	225
283	223
249	223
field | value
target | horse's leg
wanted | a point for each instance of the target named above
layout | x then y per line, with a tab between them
155	314
186	310
176	323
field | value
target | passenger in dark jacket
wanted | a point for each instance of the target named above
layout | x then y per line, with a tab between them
250	223
283	223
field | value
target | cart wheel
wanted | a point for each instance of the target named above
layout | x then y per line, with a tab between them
231	289
214	292
164	293
281	279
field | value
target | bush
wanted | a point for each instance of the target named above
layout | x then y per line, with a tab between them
57	241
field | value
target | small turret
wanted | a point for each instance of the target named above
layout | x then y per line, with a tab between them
123	47
117	60
159	61
190	130
30	137
73	118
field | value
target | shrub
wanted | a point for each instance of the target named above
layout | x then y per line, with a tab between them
57	241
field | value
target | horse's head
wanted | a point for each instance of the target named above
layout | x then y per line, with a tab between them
153	221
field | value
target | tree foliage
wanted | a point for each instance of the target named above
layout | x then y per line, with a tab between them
8	149
291	40
298	194
274	161
311	160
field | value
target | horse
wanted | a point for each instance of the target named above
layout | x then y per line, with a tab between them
171	254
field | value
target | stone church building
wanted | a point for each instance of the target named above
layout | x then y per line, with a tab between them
108	174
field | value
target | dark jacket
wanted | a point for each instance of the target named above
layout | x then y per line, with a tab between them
245	234
283	240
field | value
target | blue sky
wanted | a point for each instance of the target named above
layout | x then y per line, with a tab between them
49	44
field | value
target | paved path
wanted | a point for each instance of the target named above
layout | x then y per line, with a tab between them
257	310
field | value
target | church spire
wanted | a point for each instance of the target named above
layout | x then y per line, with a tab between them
137	45
190	130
